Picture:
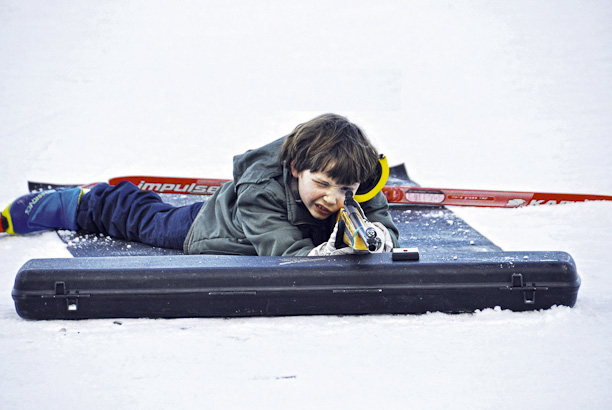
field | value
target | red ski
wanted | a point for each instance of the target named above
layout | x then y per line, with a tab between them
173	185
395	194
475	197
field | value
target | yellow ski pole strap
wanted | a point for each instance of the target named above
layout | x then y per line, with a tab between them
376	186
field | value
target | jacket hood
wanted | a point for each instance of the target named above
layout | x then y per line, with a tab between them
259	165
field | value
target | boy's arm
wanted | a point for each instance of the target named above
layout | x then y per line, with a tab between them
263	218
377	210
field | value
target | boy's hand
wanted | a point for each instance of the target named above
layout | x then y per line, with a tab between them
385	237
329	248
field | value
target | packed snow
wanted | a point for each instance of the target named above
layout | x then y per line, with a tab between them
479	94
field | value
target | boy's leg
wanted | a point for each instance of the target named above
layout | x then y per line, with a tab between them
125	212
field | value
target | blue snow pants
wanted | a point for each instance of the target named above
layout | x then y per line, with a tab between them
125	212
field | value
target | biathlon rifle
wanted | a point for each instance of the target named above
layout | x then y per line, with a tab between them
357	231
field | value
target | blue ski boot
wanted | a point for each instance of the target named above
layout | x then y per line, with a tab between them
41	211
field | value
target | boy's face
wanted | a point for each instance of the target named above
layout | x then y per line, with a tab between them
321	194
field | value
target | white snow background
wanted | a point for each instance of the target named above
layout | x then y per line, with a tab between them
469	94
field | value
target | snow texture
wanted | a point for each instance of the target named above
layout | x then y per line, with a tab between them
479	94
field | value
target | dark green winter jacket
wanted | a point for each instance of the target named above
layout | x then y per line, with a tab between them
259	212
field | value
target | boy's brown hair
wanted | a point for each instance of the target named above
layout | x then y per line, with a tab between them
330	143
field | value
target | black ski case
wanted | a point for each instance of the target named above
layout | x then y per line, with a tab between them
226	286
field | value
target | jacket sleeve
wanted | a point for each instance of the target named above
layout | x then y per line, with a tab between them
262	214
377	210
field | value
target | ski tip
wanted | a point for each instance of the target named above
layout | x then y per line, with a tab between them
44	186
399	172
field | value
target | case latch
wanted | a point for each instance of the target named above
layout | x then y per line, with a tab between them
529	291
72	301
60	288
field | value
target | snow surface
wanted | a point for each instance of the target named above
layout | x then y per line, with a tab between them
480	94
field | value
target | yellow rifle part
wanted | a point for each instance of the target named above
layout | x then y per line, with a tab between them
358	232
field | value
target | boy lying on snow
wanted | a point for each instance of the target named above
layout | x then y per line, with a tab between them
283	200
